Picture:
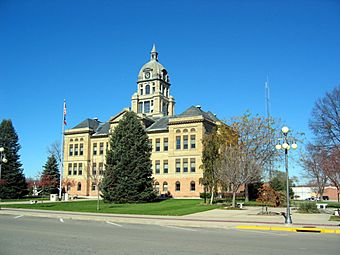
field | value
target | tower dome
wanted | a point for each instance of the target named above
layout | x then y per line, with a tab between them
153	69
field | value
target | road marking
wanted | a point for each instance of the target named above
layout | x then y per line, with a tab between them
115	224
187	229
262	232
19	216
61	220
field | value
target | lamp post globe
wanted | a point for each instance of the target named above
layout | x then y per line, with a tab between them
285	130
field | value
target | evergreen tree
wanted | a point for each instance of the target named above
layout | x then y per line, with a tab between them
50	176
128	174
13	183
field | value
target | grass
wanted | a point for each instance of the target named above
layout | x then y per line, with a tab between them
171	207
334	218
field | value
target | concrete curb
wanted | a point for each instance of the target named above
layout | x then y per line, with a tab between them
292	229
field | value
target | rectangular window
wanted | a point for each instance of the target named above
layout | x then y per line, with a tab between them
193	141
150	142
101	168
93	186
178	165
140	107
158	144
70	169
80	169
101	148
75	169
94	169
94	149
178	142
165	144
185	142
71	150
76	150
158	167
185	165
81	151
165	167
147	106
192	165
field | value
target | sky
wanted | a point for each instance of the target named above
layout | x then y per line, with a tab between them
218	55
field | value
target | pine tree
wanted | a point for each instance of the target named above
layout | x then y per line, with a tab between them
13	183
50	176
128	174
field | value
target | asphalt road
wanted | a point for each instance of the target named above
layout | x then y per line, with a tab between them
33	235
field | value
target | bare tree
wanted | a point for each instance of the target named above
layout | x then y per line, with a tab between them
55	150
325	121
312	163
234	169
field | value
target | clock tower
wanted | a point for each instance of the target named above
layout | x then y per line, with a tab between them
153	90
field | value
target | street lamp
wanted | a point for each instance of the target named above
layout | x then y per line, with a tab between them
3	158
286	143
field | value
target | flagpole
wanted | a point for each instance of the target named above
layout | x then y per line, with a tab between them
62	149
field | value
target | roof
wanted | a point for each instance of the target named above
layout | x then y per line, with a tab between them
197	111
88	123
160	124
103	129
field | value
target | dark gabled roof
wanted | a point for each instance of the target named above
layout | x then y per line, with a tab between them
159	124
196	111
88	123
103	129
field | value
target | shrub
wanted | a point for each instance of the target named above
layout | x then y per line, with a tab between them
308	208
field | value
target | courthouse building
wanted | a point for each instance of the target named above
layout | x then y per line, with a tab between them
176	139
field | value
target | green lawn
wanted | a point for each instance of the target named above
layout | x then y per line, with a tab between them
172	207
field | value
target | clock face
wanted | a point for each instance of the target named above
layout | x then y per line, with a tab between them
147	75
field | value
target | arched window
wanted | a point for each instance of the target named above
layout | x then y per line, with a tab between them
178	186
185	130
192	130
165	187
71	140
157	187
79	186
147	89
178	131
192	186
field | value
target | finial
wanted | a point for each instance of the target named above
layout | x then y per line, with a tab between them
154	53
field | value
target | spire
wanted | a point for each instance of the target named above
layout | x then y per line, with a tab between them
154	53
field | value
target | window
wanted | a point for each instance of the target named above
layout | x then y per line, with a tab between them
153	90
185	165
141	90
157	187
79	186
81	151
178	186
192	165
94	149
165	144
147	89
150	142
74	169
165	167
80	169
140	107
193	141
101	148
158	144
94	169
76	150
178	142
192	186
70	169
165	187
93	186
158	167
101	168
185	142
147	106
71	150
178	165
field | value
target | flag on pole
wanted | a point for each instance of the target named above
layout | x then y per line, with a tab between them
65	112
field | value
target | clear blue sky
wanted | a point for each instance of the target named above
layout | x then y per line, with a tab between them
218	54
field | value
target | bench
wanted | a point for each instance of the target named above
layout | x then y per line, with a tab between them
240	205
321	206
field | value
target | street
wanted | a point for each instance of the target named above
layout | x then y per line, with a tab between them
35	235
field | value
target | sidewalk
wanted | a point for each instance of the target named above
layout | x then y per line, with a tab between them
217	218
